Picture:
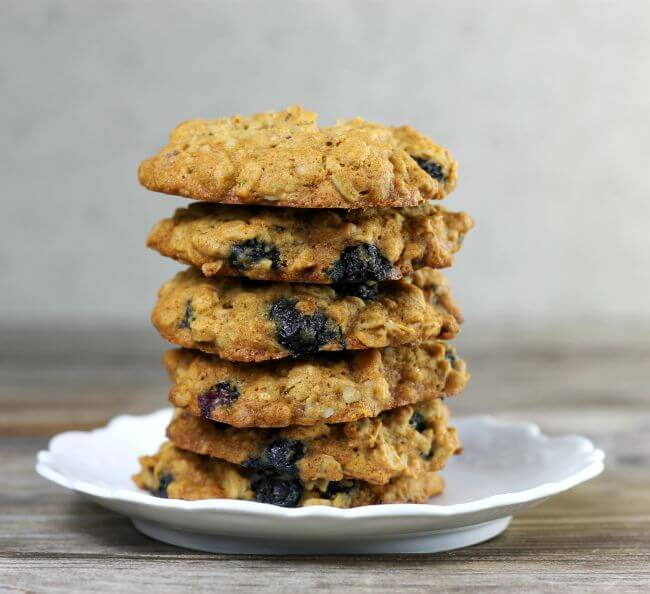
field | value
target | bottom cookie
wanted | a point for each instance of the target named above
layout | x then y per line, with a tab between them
179	474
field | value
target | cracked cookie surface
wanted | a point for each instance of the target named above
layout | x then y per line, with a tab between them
311	246
178	474
285	159
243	320
328	388
405	440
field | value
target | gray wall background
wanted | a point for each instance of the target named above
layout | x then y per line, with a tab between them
545	105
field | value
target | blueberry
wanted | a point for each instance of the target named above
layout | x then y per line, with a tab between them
358	263
221	394
284	454
417	422
335	487
188	316
450	356
163	483
280	456
366	291
431	167
300	333
243	255
277	491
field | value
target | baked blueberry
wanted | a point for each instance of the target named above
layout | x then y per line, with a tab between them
243	255
431	167
366	291
188	315
335	487
277	491
299	333
417	422
359	263
280	456
163	483
221	394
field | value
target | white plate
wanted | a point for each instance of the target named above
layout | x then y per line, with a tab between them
505	467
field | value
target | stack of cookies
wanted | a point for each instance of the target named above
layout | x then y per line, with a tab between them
312	322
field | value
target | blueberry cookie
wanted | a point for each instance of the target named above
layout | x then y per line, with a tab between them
328	388
311	246
285	159
179	474
404	440
243	320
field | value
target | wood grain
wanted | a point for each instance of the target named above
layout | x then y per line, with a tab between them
595	538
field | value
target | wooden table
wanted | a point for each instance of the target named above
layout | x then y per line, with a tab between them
595	538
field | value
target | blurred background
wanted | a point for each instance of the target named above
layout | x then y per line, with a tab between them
547	109
547	112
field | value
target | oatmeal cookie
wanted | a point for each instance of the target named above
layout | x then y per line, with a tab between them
406	440
179	474
311	246
328	388
243	320
285	159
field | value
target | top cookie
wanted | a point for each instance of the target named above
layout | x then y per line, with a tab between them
285	159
